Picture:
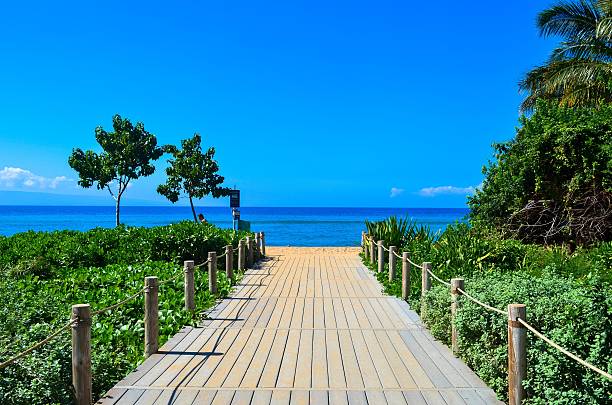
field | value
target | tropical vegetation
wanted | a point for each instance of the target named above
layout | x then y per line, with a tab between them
552	183
568	297
193	173
127	155
43	274
579	71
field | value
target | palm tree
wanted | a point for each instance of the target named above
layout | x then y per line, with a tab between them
579	70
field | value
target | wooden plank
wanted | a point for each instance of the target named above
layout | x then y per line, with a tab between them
242	397
251	378
349	360
303	370
229	359
337	398
357	398
280	397
385	373
308	318
369	375
273	363
416	398
261	398
298	313
300	398
214	353
319	313
319	361
223	397
286	374
425	362
334	360
397	366
319	398
239	369
396	398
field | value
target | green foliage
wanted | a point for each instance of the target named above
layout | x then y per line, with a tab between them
553	182
578	70
43	274
567	297
575	316
127	155
192	172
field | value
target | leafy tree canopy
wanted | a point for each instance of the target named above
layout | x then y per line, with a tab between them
127	155
553	182
579	70
192	172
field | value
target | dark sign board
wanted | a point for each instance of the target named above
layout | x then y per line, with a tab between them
234	198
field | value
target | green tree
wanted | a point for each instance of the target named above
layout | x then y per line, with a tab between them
579	70
192	172
553	182
127	155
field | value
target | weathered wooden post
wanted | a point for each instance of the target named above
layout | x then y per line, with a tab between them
392	263
189	285
151	321
405	275
229	263
241	255
263	244
372	251
455	284
363	244
517	353
425	286
256	247
212	272
249	247
381	256
81	353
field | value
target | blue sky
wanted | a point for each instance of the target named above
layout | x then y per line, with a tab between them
310	103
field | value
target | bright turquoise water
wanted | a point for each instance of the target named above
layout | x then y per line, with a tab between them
283	226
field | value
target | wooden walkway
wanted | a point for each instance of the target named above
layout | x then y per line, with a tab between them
307	326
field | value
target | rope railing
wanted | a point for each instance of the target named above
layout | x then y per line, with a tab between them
35	346
516	317
81	315
562	350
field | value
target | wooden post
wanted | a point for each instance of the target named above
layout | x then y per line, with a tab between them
517	353
406	267
381	256
241	255
372	251
212	272
229	263
455	284
81	353
263	244
189	285
249	249
256	247
425	286
366	245
363	245
392	263
151	318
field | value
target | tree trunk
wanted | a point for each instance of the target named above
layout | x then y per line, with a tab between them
117	208
195	218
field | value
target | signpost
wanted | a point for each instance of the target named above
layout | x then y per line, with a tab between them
234	205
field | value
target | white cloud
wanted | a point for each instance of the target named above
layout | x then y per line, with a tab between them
447	190
17	178
396	191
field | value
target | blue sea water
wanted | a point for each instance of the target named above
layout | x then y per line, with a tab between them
283	226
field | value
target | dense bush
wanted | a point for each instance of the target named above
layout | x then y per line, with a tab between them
553	182
44	252
46	273
575	316
568	297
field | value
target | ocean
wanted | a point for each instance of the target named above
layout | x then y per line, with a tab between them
283	226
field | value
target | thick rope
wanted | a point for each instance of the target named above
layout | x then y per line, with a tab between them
125	301
438	279
36	345
490	308
562	350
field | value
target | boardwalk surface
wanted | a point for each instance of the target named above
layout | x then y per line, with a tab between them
308	326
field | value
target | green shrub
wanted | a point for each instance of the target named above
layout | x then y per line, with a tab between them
577	317
46	273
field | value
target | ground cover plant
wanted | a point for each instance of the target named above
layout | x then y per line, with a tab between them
568	297
43	274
